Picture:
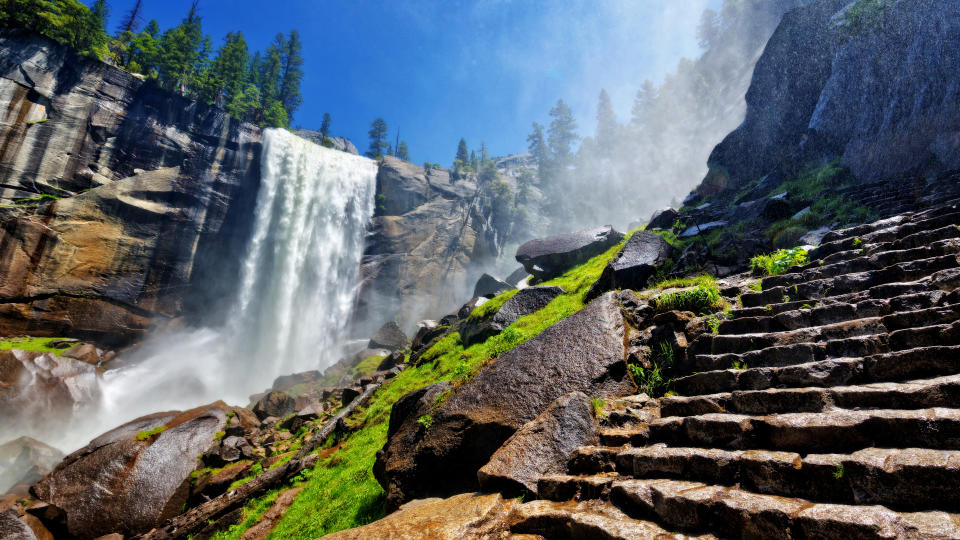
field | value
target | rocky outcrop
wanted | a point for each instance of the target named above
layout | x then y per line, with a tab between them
490	286
427	236
126	198
389	337
874	90
524	302
142	471
585	352
549	257
634	265
541	447
23	461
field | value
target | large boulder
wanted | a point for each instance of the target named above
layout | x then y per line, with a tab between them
585	352
541	447
11	528
549	257
634	264
663	218
23	461
525	302
130	479
389	337
490	286
277	404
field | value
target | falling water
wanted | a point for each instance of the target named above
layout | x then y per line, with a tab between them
292	302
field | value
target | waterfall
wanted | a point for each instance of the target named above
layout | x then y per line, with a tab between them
292	302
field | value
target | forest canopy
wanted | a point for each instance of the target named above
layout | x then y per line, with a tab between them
259	87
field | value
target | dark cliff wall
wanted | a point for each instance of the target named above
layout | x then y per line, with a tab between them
881	96
148	197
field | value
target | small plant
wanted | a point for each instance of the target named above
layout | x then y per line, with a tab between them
785	299
838	472
806	306
220	435
714	324
150	433
756	286
425	421
598	405
256	469
738	365
702	300
779	261
651	381
857	242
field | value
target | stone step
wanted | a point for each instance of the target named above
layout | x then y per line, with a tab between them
594	519
808	315
622	435
939	334
923	362
786	355
916	394
872	260
860	249
732	512
851	283
742	343
899	478
835	430
905	233
931	316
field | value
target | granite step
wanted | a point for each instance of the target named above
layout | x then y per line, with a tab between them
742	343
786	355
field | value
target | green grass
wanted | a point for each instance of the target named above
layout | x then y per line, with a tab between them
779	262
148	434
703	298
252	513
491	306
368	365
340	492
35	344
705	280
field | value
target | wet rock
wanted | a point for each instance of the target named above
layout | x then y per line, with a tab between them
23	461
663	219
426	332
466	309
490	286
142	470
584	352
85	352
393	360
518	278
541	447
389	337
347	395
634	264
701	228
11	528
468	515
273	404
525	302
549	257
211	484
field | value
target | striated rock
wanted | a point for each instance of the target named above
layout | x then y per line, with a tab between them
551	256
490	286
584	352
11	528
23	461
468	515
542	446
634	264
142	469
162	190
389	337
273	404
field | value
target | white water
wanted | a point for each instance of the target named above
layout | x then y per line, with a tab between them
292	304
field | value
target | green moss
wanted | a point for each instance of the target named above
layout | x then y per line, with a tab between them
491	306
367	366
36	344
150	433
252	513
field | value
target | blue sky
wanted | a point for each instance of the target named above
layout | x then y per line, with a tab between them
439	70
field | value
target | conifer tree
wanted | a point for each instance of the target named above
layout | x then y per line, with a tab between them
291	74
462	156
607	128
537	146
225	79
378	136
563	132
402	151
131	21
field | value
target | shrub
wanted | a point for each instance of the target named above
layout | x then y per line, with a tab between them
778	262
703	299
651	381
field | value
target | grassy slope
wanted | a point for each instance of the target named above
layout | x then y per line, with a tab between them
37	344
340	492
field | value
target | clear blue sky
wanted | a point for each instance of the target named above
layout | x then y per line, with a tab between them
442	69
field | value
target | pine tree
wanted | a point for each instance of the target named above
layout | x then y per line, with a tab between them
325	127
292	74
607	128
131	21
267	76
462	156
402	151
378	136
643	104
183	53
226	77
537	146
563	132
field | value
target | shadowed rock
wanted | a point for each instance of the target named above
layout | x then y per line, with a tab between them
584	352
490	286
130	479
274	404
389	337
525	302
663	218
634	264
542	446
551	256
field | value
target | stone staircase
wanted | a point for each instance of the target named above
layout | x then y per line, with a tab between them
827	406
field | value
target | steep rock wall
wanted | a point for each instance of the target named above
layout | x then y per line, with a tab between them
882	96
151	187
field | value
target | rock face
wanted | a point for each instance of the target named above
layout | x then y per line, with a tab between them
141	469
42	385
389	337
123	248
634	264
542	446
426	237
24	461
275	404
549	257
878	96
584	352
